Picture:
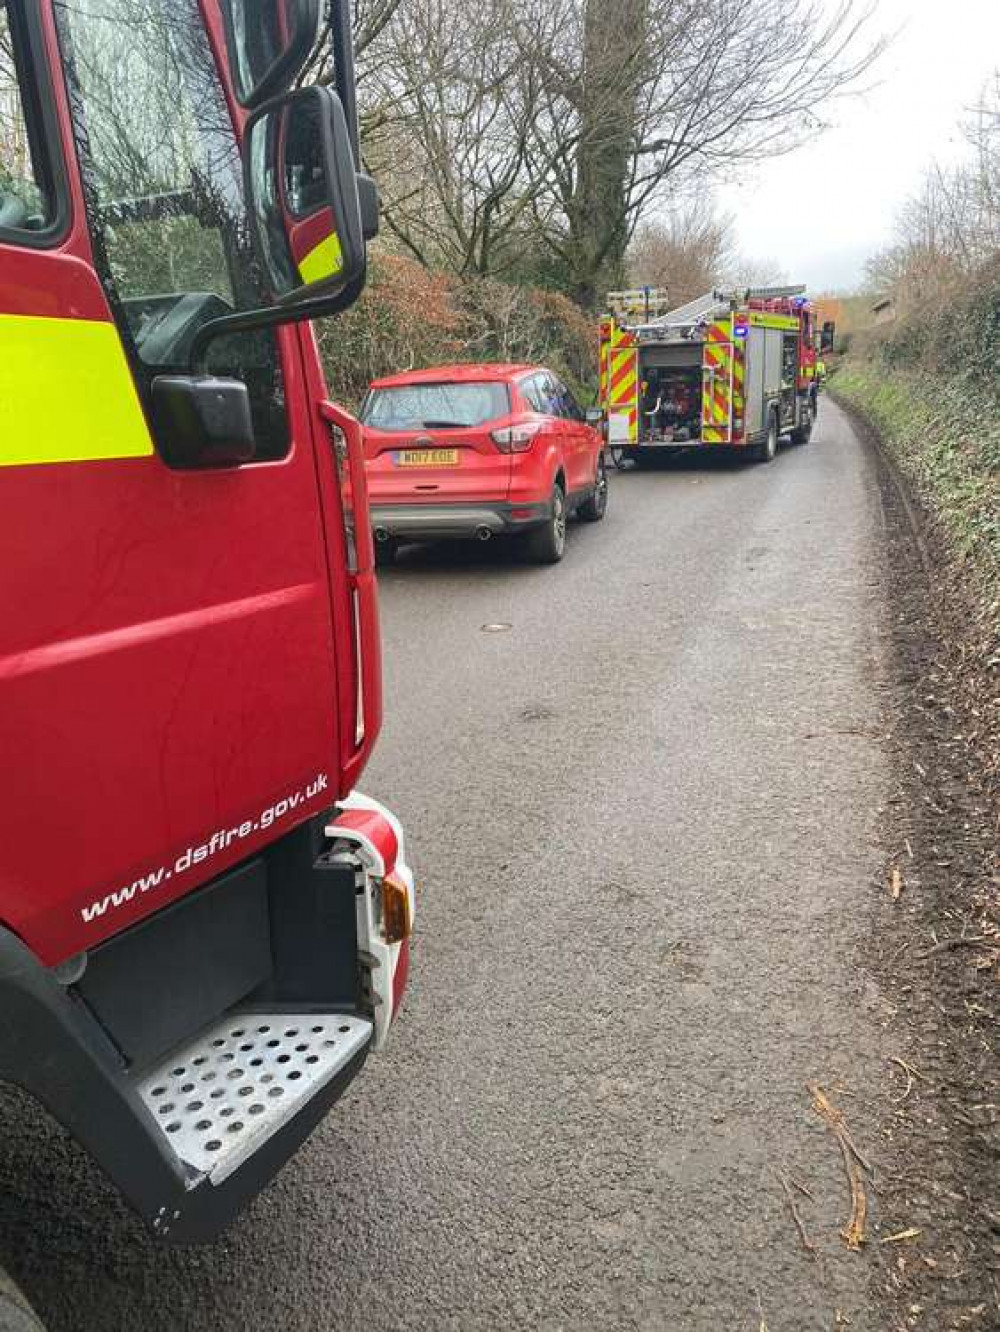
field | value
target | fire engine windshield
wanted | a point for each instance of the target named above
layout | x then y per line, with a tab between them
163	180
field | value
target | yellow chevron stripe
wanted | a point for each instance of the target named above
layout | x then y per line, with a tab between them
324	260
624	393
66	393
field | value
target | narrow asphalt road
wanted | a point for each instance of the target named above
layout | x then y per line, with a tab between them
643	819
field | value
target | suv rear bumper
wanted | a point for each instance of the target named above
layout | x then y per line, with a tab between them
431	522
128	1052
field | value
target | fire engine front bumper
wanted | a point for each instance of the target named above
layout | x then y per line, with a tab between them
191	1127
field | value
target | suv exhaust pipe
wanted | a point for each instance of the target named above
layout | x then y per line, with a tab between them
381	535
483	532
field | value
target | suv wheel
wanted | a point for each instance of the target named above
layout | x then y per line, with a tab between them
546	544
386	552
593	509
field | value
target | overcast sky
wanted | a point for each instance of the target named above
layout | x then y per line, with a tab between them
819	212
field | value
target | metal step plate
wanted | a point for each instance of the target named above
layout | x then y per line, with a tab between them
220	1097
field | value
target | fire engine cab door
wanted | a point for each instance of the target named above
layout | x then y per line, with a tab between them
167	676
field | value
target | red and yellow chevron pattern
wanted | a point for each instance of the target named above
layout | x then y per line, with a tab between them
721	383
620	377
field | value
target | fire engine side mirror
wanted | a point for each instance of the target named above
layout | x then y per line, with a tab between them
268	42
826	337
303	196
310	214
204	421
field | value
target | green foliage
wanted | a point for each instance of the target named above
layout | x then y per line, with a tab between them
411	318
957	335
943	428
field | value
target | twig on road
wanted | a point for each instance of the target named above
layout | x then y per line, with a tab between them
807	1243
760	1310
853	1233
910	1072
806	1193
963	941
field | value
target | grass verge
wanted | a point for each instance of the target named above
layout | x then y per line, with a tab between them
943	435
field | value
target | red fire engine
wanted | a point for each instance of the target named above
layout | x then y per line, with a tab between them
189	646
733	370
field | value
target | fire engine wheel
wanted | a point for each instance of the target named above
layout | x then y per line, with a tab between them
592	510
619	457
767	451
804	432
16	1314
546	544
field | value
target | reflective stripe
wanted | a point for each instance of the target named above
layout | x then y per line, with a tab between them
787	323
623	389
66	393
325	260
620	379
739	389
718	369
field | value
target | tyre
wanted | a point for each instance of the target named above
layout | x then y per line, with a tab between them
766	451
546	544
803	433
593	509
16	1314
385	553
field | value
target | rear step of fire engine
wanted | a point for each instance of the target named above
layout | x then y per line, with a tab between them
219	1098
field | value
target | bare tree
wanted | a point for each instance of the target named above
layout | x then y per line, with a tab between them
663	88
686	253
950	228
552	127
448	109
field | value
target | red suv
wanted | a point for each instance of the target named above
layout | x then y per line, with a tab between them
480	450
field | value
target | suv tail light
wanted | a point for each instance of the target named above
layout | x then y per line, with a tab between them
517	438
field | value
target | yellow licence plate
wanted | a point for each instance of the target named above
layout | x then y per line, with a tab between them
427	458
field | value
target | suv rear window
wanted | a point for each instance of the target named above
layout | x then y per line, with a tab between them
435	406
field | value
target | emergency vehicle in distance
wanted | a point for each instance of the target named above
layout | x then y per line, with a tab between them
729	370
204	930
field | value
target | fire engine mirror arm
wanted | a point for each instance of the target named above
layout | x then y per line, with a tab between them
249	321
